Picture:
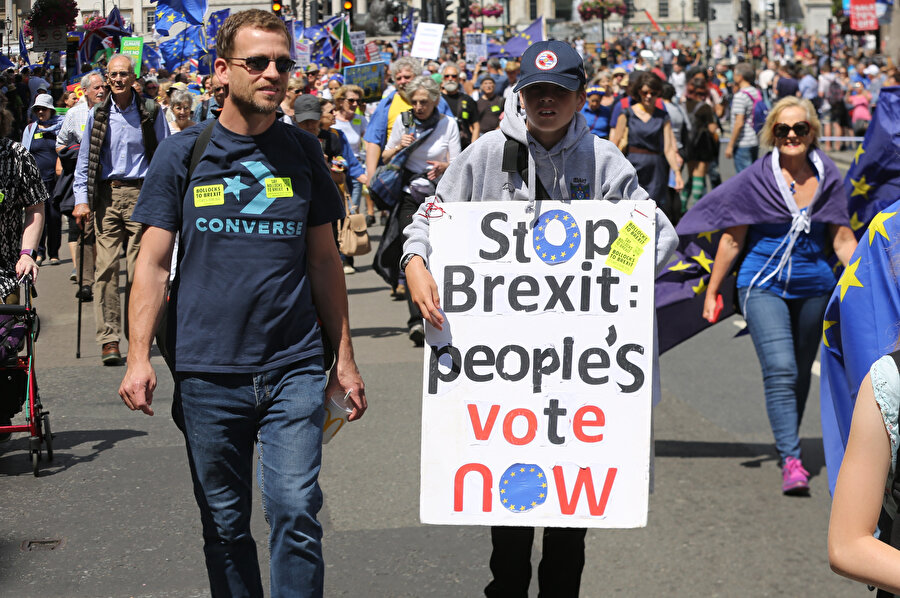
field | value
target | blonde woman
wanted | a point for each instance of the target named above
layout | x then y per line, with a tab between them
789	209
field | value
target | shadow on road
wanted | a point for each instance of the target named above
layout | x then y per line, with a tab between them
366	290
16	460
755	453
379	332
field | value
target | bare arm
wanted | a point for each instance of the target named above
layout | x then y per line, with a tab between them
329	292
671	152
853	551
476	131
31	236
619	130
424	292
735	133
145	309
843	241
373	155
730	246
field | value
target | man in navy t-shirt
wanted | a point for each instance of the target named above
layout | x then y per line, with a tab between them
256	265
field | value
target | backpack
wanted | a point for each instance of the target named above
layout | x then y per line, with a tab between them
835	92
761	109
701	145
757	115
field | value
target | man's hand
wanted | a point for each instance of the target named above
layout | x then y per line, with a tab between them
345	377
138	385
424	292
729	152
81	213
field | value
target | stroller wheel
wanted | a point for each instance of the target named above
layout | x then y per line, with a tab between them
35	459
48	437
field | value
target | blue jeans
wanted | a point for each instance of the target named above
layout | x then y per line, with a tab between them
357	202
786	335
282	411
744	157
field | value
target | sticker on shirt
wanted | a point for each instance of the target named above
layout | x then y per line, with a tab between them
209	195
279	187
38	135
82	128
579	191
495	108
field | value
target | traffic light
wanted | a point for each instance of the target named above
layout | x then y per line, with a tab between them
770	9
746	15
462	14
712	14
347	7
276	8
703	9
445	13
314	16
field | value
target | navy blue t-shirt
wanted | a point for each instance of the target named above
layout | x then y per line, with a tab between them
241	301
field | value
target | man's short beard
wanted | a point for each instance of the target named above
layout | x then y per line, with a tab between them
251	106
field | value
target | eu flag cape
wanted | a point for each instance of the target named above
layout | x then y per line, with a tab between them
751	197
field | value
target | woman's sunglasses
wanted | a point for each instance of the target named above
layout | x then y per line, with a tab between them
258	64
781	130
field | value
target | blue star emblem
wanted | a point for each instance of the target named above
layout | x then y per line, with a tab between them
234	185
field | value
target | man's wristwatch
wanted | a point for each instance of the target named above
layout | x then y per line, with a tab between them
32	253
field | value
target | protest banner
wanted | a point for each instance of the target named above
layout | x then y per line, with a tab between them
370	77
49	39
358	42
863	16
134	47
537	392
427	41
372	53
302	50
476	48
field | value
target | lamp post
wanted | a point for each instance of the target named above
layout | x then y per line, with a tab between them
8	34
682	16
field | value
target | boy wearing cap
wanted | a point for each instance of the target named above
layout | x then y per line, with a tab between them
565	162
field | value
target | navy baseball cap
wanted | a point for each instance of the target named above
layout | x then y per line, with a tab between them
551	61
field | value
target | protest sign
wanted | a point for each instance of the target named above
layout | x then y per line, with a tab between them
370	77
134	47
476	48
427	42
537	392
302	52
358	41
863	16
49	39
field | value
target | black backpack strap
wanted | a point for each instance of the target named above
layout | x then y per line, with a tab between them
515	159
197	153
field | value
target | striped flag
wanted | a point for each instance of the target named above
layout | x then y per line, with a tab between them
652	20
341	32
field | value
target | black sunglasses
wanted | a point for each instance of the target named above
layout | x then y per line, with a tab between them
258	64
782	130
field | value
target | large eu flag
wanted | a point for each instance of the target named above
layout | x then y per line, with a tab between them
193	10
520	41
862	321
166	18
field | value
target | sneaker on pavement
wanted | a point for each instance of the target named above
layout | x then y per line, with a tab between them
85	294
795	479
417	334
400	291
348	269
73	276
110	354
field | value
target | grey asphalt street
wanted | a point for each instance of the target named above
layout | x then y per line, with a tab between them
118	498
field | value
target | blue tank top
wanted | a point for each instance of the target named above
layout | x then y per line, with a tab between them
806	274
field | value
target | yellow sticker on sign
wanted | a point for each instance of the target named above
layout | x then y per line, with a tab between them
279	187
623	261
209	195
633	231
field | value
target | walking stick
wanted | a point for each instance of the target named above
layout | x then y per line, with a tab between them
80	294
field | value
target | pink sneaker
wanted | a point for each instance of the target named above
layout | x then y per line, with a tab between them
795	479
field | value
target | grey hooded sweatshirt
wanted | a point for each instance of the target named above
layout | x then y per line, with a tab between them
581	164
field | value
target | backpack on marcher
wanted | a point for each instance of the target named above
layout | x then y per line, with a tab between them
835	92
761	107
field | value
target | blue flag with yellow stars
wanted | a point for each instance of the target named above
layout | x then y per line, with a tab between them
407	34
323	52
862	323
151	57
193	10
520	41
873	181
5	62
523	486
212	27
23	51
166	18
315	33
184	46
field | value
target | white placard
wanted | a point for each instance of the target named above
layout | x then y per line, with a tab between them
302	49
427	42
358	41
537	392
476	47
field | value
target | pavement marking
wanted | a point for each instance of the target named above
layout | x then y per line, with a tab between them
741	323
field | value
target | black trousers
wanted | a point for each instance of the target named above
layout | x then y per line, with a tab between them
559	572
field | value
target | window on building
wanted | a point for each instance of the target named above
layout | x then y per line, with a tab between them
563	10
663	9
150	19
532	9
696	9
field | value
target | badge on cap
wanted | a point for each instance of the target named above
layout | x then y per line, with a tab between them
546	60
